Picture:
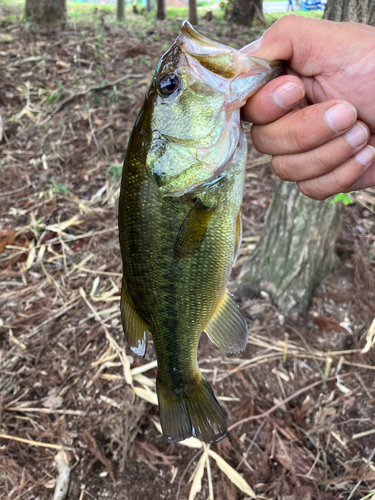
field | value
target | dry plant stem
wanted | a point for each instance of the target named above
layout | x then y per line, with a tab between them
251	444
34	443
209	479
271	410
302	338
45	410
363	434
71	98
185	471
8	193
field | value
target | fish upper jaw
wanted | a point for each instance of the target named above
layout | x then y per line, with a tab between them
234	74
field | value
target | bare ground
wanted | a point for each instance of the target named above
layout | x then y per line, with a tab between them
298	398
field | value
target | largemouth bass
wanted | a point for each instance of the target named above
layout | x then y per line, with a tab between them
180	222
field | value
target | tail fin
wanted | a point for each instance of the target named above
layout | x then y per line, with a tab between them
192	413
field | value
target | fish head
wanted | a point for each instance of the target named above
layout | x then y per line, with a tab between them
194	102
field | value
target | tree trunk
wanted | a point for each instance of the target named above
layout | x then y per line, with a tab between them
296	251
120	10
243	11
46	11
193	13
360	11
149	5
161	12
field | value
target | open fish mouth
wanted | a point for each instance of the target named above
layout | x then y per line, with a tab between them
220	59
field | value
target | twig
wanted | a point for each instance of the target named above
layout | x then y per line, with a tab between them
271	410
363	434
8	193
251	445
303	340
34	443
82	93
59	313
45	410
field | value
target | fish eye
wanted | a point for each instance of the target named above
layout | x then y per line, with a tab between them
168	84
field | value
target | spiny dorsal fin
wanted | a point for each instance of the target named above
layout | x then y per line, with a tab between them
238	240
228	328
191	234
135	329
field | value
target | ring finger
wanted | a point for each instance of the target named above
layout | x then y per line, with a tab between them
341	178
323	159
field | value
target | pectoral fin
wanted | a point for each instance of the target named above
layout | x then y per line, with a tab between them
135	329
228	328
191	234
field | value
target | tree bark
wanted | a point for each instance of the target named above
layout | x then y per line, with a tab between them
193	13
296	251
46	11
161	11
120	10
243	11
360	11
149	5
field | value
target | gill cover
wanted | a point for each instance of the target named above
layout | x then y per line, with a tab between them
197	92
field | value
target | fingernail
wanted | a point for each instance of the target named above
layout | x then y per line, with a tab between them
366	156
288	95
356	136
252	47
340	117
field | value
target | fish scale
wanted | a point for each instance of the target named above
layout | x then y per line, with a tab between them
179	225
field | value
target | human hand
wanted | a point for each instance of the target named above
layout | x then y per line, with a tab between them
318	120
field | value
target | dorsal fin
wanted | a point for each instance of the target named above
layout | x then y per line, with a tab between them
135	329
228	328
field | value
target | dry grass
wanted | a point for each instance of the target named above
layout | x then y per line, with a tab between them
300	399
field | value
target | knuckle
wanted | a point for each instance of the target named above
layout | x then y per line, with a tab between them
298	138
282	25
299	130
311	190
258	139
323	163
338	182
282	168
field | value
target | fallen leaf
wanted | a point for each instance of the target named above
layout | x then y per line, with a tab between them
6	238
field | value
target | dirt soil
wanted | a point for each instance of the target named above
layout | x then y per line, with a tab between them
305	387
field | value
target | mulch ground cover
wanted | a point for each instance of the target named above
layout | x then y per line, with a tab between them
299	400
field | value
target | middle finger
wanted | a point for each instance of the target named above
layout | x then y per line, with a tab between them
304	129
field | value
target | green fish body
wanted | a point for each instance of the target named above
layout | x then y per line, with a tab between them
180	222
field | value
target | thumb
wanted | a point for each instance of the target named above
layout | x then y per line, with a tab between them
304	43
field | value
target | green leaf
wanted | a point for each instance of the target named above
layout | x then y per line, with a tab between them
343	197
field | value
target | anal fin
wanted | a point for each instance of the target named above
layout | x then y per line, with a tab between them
228	328
192	231
135	329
